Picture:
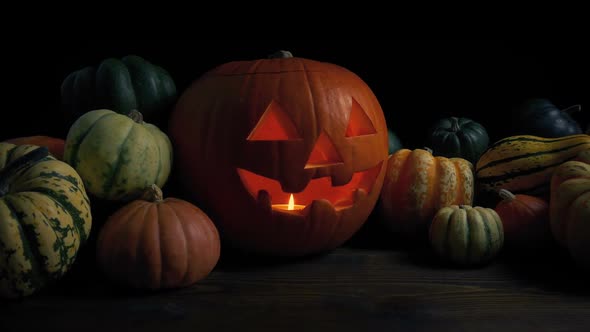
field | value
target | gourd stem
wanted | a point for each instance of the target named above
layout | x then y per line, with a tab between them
455	124
153	194
281	55
572	109
136	116
16	165
428	149
506	195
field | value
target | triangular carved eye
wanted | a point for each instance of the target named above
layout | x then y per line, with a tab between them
359	122
274	125
324	153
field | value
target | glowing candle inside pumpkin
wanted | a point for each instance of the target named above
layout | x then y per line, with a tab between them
291	206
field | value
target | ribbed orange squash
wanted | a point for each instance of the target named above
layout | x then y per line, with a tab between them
570	209
417	185
570	200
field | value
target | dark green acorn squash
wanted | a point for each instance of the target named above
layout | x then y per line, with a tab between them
458	138
540	117
121	85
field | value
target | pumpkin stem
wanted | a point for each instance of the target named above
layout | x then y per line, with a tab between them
281	55
428	149
153	194
136	116
572	109
17	165
506	195
455	124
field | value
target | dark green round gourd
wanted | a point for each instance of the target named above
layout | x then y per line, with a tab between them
121	85
458	138
394	142
540	117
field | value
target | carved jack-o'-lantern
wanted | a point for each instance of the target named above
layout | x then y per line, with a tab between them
251	137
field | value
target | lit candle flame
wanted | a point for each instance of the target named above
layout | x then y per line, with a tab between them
291	205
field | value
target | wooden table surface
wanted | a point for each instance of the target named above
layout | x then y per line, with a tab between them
368	284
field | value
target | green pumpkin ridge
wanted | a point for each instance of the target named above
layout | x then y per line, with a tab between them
57	176
468	254
159	169
488	233
74	159
448	236
35	277
59	244
112	170
145	84
114	87
64	202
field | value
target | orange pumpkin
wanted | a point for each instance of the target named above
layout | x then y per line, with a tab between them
156	243
570	209
526	221
569	182
417	185
54	144
251	135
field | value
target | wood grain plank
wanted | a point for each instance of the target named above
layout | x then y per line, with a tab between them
349	289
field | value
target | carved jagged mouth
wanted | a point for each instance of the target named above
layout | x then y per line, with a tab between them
340	197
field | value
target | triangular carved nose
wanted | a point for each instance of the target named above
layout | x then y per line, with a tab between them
324	153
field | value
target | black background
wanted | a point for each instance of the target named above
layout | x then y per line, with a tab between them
416	81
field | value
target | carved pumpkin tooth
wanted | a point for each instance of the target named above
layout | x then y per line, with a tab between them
319	208
359	194
264	200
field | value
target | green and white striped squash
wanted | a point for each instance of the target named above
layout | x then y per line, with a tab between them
44	219
466	235
118	156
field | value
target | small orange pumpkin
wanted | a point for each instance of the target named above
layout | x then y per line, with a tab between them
417	185
156	243
525	219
